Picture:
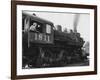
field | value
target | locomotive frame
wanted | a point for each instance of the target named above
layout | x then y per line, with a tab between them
14	44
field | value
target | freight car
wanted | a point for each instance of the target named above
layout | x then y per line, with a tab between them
45	46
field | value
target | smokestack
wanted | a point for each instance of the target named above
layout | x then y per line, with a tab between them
76	22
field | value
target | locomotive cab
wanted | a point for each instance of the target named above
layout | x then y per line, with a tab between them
39	30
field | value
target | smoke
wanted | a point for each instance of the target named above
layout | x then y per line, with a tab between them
76	20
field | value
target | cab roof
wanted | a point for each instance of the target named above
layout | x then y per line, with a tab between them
36	18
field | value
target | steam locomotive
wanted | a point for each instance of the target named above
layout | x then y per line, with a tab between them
43	45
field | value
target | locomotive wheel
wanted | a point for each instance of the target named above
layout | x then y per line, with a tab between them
50	57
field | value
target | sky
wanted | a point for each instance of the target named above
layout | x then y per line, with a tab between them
66	20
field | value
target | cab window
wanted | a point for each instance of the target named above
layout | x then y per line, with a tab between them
48	28
36	26
25	24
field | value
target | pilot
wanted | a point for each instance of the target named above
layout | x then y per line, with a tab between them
33	26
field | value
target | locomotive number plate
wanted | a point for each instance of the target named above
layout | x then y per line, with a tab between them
40	37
